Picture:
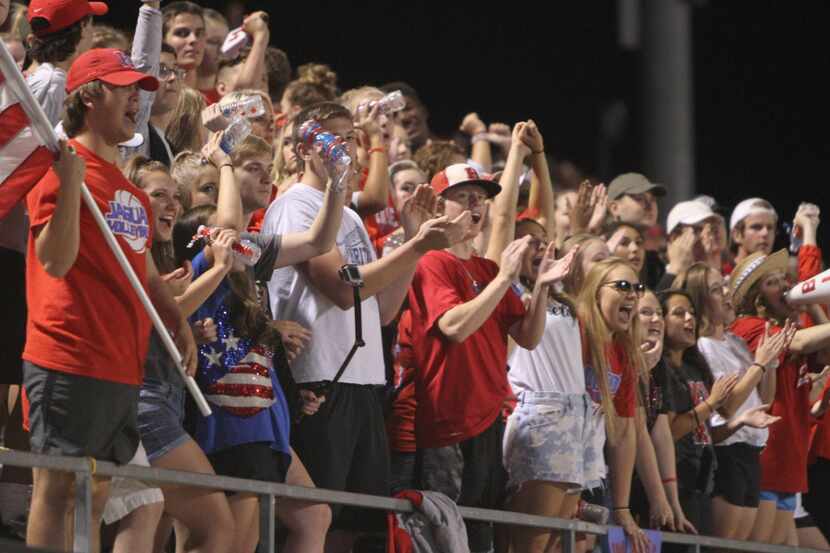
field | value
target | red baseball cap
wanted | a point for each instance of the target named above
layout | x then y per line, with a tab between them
60	14
459	174
109	65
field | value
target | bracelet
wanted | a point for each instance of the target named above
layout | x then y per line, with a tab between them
669	480
226	165
759	365
377	150
537	152
478	137
621	509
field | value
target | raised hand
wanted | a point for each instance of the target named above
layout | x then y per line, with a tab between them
499	134
757	417
582	211
213	153
511	258
367	119
417	209
472	125
599	200
771	346
681	251
213	119
552	270
532	137
652	352
516	142
441	233
256	24
180	279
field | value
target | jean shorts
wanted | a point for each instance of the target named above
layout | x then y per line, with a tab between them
783	501
555	437
160	415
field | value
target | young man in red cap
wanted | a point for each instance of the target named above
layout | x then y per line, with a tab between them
87	332
463	309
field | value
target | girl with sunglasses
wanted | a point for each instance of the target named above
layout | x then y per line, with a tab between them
737	449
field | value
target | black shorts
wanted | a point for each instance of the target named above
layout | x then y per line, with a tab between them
738	476
13	321
344	447
255	461
81	416
470	473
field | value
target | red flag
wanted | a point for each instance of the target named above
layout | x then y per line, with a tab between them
23	159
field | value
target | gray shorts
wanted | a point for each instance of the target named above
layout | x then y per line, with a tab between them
80	416
554	437
160	415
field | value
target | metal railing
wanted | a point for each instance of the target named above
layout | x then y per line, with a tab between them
85	468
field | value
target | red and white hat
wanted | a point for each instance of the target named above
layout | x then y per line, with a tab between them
60	14
460	174
109	65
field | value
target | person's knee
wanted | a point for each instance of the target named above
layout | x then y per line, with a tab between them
54	490
316	518
216	530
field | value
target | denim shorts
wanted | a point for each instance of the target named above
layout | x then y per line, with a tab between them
554	437
783	501
160	415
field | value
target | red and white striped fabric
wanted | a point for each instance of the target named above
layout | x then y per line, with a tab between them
23	159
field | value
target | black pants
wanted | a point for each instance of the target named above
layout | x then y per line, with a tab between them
815	501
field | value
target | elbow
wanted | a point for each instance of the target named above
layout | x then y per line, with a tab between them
56	269
453	333
527	342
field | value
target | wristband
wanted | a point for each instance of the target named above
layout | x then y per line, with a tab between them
669	480
377	150
478	137
537	152
226	165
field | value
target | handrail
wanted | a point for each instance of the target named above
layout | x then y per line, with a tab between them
268	490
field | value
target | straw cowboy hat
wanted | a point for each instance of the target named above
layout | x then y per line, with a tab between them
753	268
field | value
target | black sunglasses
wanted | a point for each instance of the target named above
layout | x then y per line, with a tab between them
626	287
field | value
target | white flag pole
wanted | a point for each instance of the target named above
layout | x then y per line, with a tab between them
46	134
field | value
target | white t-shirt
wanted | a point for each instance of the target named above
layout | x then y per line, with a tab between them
732	356
555	365
294	298
48	86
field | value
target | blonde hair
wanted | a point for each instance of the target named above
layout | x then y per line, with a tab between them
106	36
354	97
695	281
573	282
280	171
74	113
601	339
186	169
185	129
252	146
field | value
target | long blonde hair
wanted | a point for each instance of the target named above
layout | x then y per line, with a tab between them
600	338
186	131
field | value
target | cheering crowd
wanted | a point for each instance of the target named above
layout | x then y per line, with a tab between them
533	340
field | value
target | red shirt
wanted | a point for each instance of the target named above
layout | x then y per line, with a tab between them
259	215
211	96
381	224
820	433
459	387
784	459
400	424
90	322
621	379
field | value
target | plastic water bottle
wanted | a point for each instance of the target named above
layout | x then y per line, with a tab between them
796	232
250	107
391	103
236	132
331	148
244	250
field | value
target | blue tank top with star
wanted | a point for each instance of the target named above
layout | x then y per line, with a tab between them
238	379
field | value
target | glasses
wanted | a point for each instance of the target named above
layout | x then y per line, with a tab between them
627	287
165	73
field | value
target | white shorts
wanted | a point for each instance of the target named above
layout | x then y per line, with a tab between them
127	495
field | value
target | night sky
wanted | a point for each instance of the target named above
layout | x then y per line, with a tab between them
759	102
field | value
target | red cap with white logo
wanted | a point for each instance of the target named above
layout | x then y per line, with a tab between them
109	65
460	174
60	14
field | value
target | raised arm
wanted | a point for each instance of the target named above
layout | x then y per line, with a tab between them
503	211
375	194
481	152
542	197
229	201
145	55
58	242
253	68
810	340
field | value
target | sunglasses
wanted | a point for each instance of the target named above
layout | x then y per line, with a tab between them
627	287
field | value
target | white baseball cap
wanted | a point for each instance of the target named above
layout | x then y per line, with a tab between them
752	206
691	212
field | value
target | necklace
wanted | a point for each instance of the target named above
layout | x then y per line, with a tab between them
476	284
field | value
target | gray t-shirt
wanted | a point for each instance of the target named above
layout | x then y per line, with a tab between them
159	366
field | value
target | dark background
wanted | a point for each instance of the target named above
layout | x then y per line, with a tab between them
759	72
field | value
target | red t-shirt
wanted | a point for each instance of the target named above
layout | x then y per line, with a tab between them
621	379
259	215
381	224
211	96
460	387
400	425
90	322
820	433
784	459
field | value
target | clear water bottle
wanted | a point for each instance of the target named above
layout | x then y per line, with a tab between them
330	147
795	231
250	107
391	103
236	132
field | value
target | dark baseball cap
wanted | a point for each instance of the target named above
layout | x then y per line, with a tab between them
633	183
